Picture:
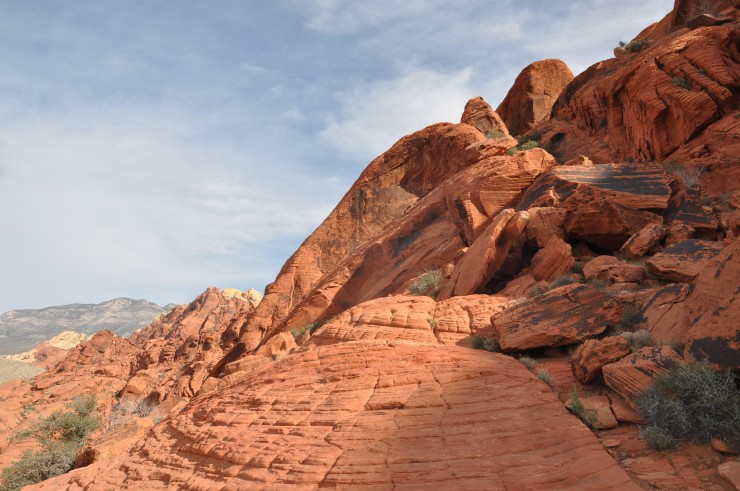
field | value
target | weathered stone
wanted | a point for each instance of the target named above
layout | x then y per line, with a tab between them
562	316
552	261
599	406
593	354
731	472
679	232
643	241
480	114
534	91
545	224
606	224
633	374
612	269
683	261
622	411
665	315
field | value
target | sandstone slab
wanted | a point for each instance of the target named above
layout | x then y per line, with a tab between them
593	354
683	261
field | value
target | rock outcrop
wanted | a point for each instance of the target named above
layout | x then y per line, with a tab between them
533	94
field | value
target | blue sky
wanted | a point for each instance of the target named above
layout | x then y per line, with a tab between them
151	149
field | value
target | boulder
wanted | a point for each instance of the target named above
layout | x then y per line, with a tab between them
678	232
612	269
545	224
593	354
480	114
562	316
632	375
534	91
644	241
458	317
606	224
664	314
682	261
730	471
622	411
552	261
599	406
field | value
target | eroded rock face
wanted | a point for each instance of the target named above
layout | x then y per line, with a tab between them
478	113
533	94
683	261
643	241
612	269
552	261
562	316
381	414
593	354
632	375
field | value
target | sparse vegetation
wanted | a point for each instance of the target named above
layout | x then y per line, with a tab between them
578	267
527	361
690	176
427	283
691	403
575	405
599	283
639	339
681	82
566	279
635	45
484	343
61	435
543	375
297	332
631	316
537	290
495	134
432	323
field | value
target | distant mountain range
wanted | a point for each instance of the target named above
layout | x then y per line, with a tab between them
21	330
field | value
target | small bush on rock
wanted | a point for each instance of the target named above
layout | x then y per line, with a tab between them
636	45
484	343
543	375
566	279
297	332
527	361
639	339
427	283
690	403
575	405
681	82
631	316
494	134
61	435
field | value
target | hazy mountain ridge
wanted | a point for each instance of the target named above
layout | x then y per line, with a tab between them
21	330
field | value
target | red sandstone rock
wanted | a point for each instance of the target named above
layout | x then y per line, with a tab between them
479	113
713	307
372	413
599	406
544	224
612	269
458	317
593	354
607	225
683	261
622	411
552	261
643	241
731	472
679	232
665	316
530	99
632	375
562	316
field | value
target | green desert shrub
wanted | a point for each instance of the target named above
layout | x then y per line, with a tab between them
681	82
566	279
427	283
578	267
484	343
527	361
544	375
690	403
495	134
575	405
639	339
631	316
636	45
61	435
297	332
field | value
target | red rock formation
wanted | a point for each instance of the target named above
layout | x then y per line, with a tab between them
535	90
644	241
683	261
674	99
593	354
665	316
552	261
632	375
478	113
562	316
612	269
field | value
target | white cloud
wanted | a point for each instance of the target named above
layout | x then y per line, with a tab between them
371	117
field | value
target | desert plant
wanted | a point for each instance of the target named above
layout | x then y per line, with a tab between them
636	45
311	327
563	280
537	290
427	283
690	176
575	405
544	375
495	134
690	403
527	361
639	339
61	435
681	82
432	323
599	284
578	267
484	343
631	316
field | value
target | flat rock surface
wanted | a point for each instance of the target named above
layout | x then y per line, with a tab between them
682	262
371	414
